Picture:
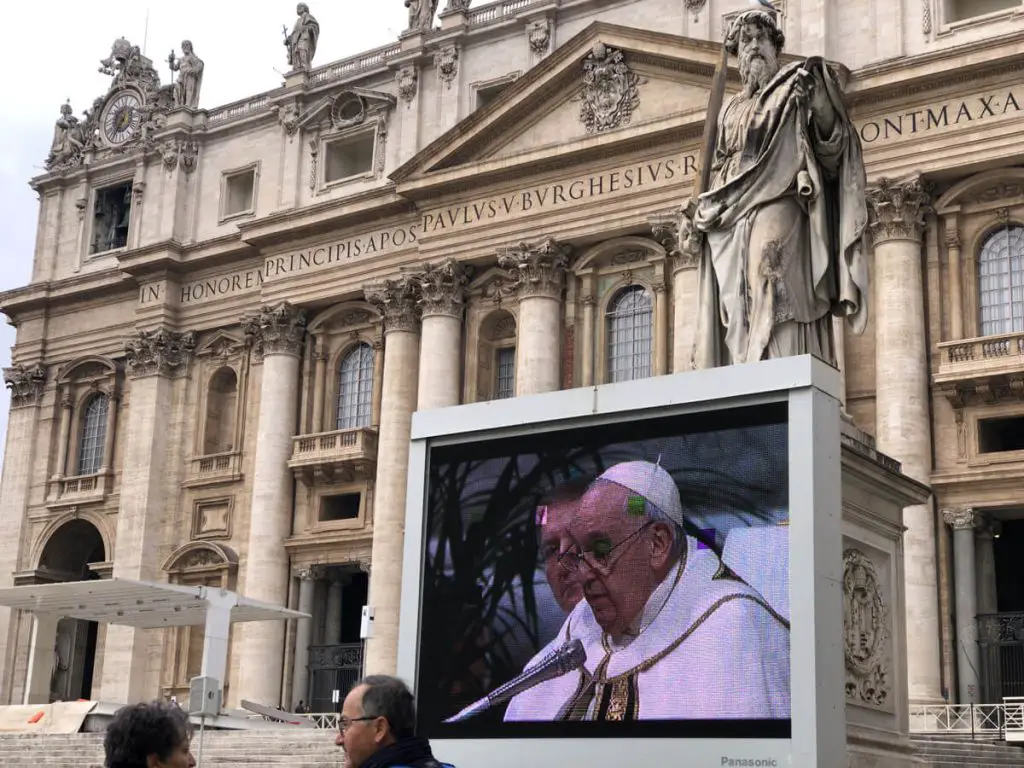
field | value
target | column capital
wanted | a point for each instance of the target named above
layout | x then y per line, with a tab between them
397	300
961	518
310	573
278	329
441	288
538	269
26	384
896	209
158	353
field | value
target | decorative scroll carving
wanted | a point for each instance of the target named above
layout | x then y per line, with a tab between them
189	154
446	61
866	620
505	328
926	16
408	78
348	656
960	518
696	6
398	302
314	156
538	34
26	384
536	270
276	330
441	288
996	628
611	90
169	152
159	353
288	116
896	210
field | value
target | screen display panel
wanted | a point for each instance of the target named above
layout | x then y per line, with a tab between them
628	579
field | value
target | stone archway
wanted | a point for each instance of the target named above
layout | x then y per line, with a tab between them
66	557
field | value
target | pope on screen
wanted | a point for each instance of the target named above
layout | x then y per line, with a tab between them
670	633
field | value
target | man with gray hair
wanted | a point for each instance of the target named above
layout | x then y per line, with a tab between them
376	727
669	632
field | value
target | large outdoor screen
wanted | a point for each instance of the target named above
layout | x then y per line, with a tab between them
628	579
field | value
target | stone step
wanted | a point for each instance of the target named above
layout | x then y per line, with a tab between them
947	752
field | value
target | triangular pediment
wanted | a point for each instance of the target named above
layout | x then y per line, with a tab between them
220	344
608	84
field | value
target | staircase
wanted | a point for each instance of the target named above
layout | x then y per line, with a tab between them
307	748
949	752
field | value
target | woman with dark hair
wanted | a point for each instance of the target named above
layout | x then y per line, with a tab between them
153	735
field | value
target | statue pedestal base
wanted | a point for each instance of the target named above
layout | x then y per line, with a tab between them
875	492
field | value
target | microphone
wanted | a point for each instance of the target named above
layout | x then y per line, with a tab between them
560	661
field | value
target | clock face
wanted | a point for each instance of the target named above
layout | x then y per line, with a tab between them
122	118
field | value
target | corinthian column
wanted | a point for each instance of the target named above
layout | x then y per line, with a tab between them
442	306
397	301
538	274
277	334
903	428
153	360
26	384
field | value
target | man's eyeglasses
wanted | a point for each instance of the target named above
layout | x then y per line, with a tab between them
598	555
344	723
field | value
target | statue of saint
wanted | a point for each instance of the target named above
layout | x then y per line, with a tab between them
421	14
301	43
65	139
190	76
778	231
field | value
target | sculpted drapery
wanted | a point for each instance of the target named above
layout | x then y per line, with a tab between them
302	42
784	214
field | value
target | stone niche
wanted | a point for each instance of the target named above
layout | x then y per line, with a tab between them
875	492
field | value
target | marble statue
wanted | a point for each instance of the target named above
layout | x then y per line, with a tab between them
190	76
421	14
65	142
777	231
301	43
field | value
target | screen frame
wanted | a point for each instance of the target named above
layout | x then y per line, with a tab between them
811	388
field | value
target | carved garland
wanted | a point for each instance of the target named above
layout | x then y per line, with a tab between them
865	620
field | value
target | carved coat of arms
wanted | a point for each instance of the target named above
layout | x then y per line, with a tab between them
866	629
611	90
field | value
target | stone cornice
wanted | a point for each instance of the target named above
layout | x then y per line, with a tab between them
279	329
158	353
26	384
397	300
896	210
536	270
442	288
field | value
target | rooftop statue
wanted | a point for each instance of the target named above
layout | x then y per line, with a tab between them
190	76
778	220
421	14
301	43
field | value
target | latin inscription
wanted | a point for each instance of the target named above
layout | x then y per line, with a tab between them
946	115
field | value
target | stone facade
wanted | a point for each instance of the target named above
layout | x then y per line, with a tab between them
223	395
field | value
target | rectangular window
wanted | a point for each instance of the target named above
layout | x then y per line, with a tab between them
239	193
962	10
1001	435
344	506
349	157
486	95
505	366
112	213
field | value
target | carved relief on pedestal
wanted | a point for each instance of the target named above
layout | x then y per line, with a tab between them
896	209
441	288
26	384
536	270
446	61
397	300
866	627
158	353
276	330
611	90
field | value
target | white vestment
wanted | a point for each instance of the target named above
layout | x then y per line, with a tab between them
709	647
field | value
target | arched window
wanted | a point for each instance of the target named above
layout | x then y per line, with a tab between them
355	388
1001	281
221	405
629	335
94	434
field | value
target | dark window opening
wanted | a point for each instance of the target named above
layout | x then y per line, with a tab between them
485	96
1001	435
345	506
350	157
111	216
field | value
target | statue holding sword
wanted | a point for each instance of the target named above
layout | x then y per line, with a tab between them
777	219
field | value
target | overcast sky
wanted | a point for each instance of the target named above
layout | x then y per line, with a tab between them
49	63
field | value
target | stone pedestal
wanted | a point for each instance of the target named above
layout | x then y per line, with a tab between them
441	335
397	301
277	335
875	493
903	425
538	274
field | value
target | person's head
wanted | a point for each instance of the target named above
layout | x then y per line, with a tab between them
153	735
377	712
555	513
627	536
757	41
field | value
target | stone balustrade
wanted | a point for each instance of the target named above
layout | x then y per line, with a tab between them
985	356
343	451
214	468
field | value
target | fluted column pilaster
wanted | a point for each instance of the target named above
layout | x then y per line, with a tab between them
538	273
276	333
441	306
398	303
965	591
903	429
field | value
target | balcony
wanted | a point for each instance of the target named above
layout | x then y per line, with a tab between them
987	369
343	455
79	490
213	469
